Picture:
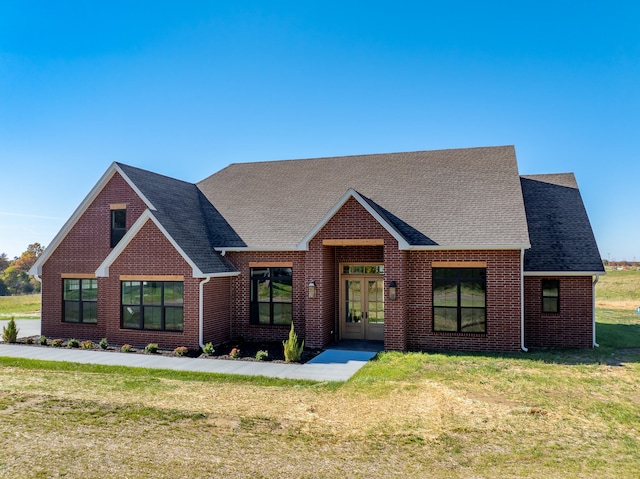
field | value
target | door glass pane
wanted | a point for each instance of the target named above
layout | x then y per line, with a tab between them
376	301
353	303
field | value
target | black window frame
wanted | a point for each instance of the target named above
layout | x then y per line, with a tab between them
459	278
81	302
545	285
118	225
127	307
273	277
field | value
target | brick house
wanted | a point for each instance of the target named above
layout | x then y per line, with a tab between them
431	250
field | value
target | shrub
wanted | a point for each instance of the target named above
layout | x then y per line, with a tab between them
235	353
73	343
29	340
103	343
208	349
10	332
151	348
125	348
292	349
42	341
57	343
181	351
262	355
87	344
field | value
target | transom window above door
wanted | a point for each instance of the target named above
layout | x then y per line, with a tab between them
363	269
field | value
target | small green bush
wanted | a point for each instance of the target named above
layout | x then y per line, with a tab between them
87	344
43	341
292	349
57	343
151	348
126	348
181	351
73	343
235	353
262	355
103	343
10	332
208	349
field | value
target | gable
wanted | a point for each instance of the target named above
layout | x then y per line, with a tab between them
465	198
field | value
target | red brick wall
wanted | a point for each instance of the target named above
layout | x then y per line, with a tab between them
217	310
81	252
572	327
502	302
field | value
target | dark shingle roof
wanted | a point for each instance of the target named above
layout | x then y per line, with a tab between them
191	220
453	198
561	236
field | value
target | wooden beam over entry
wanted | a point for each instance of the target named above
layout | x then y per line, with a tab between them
354	242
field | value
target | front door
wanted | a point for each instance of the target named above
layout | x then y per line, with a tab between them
362	311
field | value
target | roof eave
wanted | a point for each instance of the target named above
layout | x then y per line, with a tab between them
564	273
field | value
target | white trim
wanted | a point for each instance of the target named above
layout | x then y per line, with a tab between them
36	269
467	248
201	310
562	273
593	308
351	193
103	269
225	249
522	346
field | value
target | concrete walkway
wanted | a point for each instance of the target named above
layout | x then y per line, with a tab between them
330	365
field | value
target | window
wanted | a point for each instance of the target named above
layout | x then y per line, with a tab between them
550	296
459	300
118	226
80	298
154	305
271	295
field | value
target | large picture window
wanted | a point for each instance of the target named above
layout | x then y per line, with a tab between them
271	295
80	298
155	305
459	300
550	296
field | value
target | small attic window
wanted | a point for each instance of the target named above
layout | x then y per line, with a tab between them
118	223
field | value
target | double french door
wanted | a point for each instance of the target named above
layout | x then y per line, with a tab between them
362	309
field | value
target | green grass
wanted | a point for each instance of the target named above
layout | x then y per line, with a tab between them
20	307
552	414
619	286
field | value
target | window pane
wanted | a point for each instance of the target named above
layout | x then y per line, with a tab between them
550	305
473	320
173	293
71	289
131	317
90	312
282	290
72	311
152	317
259	272
445	294
550	288
152	293
472	295
445	319
264	313
262	291
89	290
282	313
131	292
173	319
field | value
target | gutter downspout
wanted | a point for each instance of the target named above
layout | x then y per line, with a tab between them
522	346
593	309
201	311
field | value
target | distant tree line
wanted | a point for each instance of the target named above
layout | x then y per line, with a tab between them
14	273
632	265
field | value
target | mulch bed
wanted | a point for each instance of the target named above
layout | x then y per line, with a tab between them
247	350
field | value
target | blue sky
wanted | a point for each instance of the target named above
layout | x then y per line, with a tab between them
185	88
